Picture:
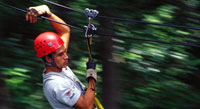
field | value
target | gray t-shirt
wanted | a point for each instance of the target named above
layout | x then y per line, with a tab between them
62	89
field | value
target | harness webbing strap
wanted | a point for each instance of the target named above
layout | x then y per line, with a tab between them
98	103
89	49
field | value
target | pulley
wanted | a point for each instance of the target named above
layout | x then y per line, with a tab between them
90	28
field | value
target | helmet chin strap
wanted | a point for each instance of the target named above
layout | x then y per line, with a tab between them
53	60
53	64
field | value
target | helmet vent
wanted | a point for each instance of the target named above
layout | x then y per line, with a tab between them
50	44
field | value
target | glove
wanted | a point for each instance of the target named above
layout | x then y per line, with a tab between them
91	71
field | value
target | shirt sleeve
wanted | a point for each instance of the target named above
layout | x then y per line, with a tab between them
67	93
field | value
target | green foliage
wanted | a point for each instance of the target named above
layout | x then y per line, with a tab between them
149	74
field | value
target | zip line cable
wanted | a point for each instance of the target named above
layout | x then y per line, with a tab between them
152	23
150	40
43	17
127	20
25	11
65	7
104	34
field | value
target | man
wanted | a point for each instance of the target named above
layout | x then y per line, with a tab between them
60	85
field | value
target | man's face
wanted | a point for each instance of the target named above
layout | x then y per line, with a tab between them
61	58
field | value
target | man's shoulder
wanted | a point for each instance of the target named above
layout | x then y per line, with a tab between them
56	79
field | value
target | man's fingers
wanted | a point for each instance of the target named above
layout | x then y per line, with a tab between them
32	15
30	18
34	18
35	15
26	17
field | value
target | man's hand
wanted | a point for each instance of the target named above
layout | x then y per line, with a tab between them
91	71
34	12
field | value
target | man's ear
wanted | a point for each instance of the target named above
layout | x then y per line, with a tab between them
48	59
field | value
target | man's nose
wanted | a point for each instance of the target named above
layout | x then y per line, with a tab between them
66	56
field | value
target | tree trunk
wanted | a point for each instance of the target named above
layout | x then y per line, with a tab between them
4	95
109	73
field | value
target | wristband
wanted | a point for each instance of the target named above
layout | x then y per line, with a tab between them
91	73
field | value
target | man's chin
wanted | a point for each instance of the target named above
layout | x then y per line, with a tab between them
65	66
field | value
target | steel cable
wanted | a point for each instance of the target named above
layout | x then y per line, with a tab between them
104	34
127	20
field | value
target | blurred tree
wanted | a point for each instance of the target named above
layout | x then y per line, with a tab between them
109	73
135	74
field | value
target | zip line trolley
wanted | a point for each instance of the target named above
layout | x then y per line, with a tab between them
90	29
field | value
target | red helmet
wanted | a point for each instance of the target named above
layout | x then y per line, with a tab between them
46	43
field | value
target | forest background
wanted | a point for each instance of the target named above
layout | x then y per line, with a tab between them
131	73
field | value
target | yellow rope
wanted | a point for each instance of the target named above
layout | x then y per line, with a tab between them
98	103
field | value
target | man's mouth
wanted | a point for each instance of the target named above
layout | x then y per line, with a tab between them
66	62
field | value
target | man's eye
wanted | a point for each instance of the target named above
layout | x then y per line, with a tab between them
60	54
